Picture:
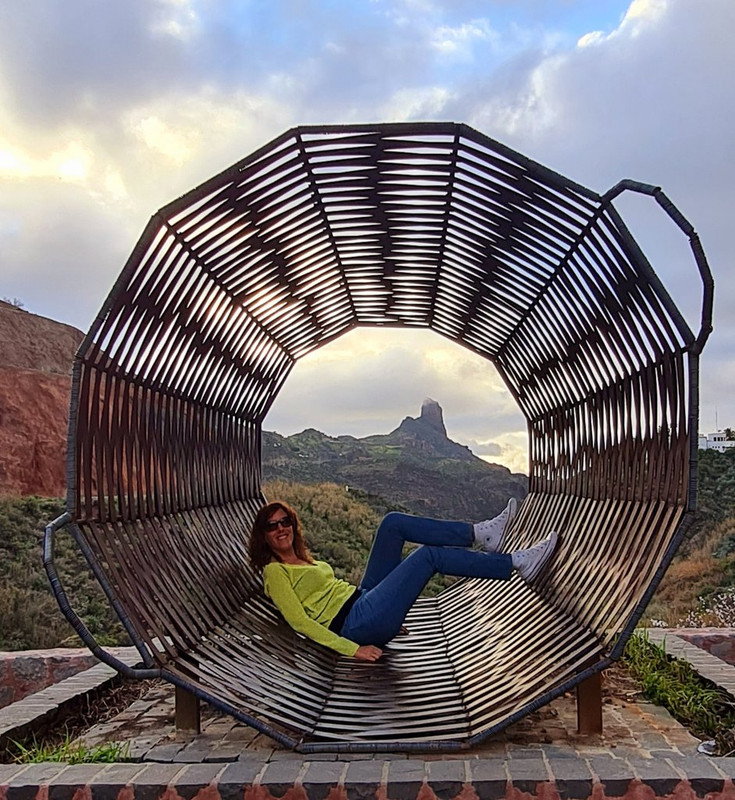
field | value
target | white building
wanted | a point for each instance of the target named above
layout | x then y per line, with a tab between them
715	441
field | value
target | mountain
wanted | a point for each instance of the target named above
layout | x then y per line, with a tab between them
36	355
415	467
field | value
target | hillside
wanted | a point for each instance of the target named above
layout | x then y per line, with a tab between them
36	355
416	467
29	614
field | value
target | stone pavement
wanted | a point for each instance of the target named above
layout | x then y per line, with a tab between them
643	753
678	643
34	712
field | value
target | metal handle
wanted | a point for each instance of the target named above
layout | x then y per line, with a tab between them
696	246
77	623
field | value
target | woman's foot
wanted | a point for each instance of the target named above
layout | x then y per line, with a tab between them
529	563
490	534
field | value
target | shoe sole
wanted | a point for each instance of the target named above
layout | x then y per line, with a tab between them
552	543
512	513
512	508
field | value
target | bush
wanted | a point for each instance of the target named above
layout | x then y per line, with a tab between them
30	617
697	703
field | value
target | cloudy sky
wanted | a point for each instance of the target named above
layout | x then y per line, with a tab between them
109	110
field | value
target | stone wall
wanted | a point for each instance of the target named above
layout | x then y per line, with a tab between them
27	671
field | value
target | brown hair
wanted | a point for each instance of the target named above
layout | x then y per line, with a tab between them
258	549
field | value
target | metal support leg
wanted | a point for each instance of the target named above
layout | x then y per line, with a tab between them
187	711
589	704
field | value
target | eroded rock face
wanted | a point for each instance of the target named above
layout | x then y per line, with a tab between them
36	356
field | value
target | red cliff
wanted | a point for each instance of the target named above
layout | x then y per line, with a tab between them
36	356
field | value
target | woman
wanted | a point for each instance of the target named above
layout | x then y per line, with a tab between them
357	622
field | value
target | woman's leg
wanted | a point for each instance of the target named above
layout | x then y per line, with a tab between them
378	614
396	529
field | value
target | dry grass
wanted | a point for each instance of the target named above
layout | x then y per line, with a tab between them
689	581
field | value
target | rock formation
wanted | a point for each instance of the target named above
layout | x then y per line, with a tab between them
36	356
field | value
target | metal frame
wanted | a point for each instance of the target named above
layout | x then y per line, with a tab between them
323	230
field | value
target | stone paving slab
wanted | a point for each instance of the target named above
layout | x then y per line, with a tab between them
714	669
594	778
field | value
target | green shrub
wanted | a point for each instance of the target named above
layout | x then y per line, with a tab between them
694	701
30	617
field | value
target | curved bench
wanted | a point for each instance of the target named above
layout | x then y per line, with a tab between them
408	225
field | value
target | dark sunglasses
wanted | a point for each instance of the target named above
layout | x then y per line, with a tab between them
275	524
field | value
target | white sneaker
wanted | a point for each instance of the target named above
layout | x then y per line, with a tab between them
529	563
490	534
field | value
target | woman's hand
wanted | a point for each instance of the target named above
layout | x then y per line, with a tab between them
368	652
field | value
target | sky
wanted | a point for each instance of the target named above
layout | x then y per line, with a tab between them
110	110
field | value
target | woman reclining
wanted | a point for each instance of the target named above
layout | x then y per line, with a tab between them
359	621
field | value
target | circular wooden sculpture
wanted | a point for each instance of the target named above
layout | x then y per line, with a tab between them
405	225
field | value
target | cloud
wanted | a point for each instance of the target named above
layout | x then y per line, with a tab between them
653	100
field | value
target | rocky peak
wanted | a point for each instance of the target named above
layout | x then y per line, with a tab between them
433	416
428	435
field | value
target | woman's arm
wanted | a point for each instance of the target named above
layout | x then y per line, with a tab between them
279	589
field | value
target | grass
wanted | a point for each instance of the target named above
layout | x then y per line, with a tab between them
29	614
70	752
707	710
697	590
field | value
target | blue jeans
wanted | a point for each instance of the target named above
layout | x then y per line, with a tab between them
390	585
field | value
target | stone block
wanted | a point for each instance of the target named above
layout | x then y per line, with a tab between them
656	773
527	773
446	778
320	777
152	781
363	779
614	774
237	776
29	673
196	777
489	778
8	771
572	777
726	765
279	776
701	774
7	695
222	753
165	752
65	784
289	755
106	785
24	785
405	779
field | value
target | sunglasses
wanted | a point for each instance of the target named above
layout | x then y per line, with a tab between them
275	524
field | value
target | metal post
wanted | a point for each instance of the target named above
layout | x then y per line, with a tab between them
188	717
589	704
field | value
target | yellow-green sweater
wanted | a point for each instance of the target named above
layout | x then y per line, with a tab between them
309	597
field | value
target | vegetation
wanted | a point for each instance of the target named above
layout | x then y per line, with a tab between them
340	520
416	467
704	708
699	586
71	752
29	614
716	498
